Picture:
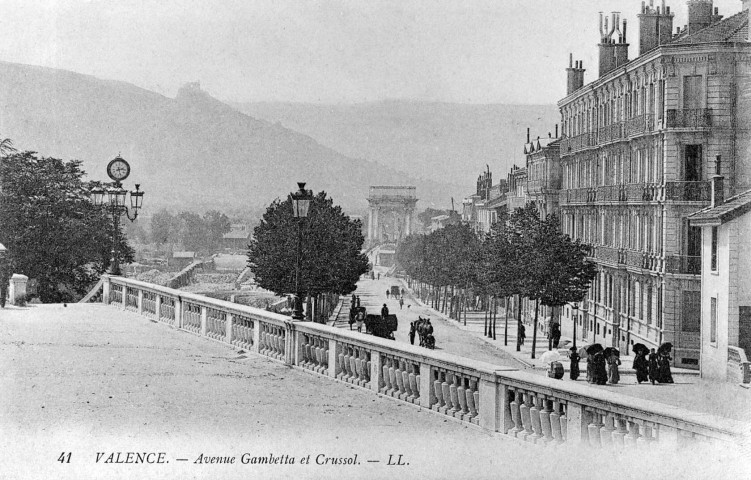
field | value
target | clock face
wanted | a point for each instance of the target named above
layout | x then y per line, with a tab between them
118	169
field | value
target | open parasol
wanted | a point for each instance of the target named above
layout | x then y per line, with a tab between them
594	348
665	348
583	353
550	356
640	347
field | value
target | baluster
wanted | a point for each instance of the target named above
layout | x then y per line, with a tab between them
526	418
593	429
346	367
534	414
454	395
620	433
462	397
547	429
516	415
399	380
386	377
438	388
413	387
476	397
405	380
446	390
368	366
471	405
633	434
340	359
392	378
352	366
555	422
646	438
606	432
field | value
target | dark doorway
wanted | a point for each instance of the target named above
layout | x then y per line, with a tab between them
692	163
744	329
693	244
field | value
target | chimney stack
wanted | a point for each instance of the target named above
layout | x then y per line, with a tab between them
574	75
699	15
613	44
655	27
718	191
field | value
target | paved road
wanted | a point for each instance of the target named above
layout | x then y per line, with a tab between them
689	392
89	378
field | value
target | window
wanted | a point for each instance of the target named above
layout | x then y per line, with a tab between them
713	320
692	92
691	312
692	156
714	248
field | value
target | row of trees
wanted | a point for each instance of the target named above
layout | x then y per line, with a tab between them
331	261
52	231
189	229
523	256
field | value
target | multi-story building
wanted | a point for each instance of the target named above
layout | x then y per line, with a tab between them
638	145
481	209
516	196
543	173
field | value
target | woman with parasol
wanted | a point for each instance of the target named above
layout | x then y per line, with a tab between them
597	362
574	368
663	361
641	365
613	357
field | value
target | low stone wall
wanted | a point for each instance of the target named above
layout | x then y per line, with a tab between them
498	399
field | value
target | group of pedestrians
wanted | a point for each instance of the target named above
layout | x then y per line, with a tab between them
603	364
653	366
395	296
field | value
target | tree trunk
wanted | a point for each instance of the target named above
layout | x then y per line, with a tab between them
505	328
485	317
518	323
534	332
495	314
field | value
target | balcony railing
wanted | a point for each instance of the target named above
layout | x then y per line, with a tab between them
579	142
683	264
640	124
498	399
688	191
689	118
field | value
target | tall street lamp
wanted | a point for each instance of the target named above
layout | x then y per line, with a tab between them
575	308
300	206
114	199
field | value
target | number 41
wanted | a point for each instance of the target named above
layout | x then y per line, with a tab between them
64	457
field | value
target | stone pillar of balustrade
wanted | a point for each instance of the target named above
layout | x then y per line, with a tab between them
493	404
576	424
256	336
140	302
228	328
158	307
178	312
376	374
204	318
125	296
298	356
427	396
333	364
106	287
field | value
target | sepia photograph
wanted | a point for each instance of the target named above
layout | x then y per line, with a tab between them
375	239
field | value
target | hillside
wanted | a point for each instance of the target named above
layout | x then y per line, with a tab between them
190	152
437	141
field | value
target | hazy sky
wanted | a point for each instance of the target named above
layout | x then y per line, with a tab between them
507	51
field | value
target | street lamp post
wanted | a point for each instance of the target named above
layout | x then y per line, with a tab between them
575	308
300	206
114	199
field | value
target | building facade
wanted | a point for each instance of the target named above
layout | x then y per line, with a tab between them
638	146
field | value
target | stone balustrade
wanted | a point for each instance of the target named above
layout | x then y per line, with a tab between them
513	403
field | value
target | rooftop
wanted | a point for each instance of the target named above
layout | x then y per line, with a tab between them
731	29
730	209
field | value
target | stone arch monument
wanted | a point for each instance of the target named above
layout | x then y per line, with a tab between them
392	213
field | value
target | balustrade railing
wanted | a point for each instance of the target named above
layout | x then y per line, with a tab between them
688	191
499	399
689	118
131	298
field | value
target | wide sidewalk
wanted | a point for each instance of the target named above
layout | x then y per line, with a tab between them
689	390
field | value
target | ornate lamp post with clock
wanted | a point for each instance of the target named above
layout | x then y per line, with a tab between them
114	199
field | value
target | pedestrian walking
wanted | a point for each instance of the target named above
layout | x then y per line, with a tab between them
599	372
574	368
384	311
522	334
556	334
613	361
641	365
401	303
360	320
387	294
654	369
358	301
663	363
402	291
412	330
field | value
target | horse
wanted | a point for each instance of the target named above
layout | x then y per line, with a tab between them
424	329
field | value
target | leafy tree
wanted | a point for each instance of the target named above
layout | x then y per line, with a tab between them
330	260
192	230
51	229
164	227
216	224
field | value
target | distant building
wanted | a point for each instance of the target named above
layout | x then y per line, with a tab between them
438	222
726	290
543	173
237	238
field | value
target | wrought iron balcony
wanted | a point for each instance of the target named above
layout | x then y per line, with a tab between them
640	124
579	142
688	191
689	118
683	264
